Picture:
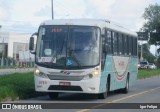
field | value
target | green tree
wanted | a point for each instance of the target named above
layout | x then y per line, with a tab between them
152	24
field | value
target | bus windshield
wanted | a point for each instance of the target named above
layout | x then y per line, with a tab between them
68	46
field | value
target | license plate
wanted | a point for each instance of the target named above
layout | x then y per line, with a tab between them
64	83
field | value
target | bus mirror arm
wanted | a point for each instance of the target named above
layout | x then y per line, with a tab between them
34	34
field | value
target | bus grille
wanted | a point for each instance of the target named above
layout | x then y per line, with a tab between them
61	77
65	88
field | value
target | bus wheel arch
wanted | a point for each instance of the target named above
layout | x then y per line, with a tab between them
126	88
108	82
104	95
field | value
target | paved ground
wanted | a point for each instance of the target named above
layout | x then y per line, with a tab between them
18	70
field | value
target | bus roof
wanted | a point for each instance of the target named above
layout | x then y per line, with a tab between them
90	22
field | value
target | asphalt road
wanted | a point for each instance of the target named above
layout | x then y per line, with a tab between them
145	91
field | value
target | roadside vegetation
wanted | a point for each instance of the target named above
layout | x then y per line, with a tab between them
21	85
148	73
17	86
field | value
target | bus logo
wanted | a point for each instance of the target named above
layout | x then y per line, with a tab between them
121	63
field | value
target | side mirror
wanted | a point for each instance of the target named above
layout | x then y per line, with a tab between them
31	44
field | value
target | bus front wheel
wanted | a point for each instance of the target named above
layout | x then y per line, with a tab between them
104	95
53	95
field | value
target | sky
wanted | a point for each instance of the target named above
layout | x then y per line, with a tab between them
24	16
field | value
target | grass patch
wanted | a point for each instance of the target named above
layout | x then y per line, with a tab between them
148	73
17	86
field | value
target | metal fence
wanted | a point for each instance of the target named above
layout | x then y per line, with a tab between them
10	63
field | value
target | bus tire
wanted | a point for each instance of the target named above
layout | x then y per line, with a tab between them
53	95
104	95
126	89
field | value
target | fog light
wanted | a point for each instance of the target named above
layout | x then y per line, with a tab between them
90	75
92	88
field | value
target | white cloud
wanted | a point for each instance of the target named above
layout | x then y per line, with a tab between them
69	9
98	8
25	10
125	12
4	10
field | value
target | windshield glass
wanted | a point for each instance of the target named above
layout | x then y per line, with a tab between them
64	46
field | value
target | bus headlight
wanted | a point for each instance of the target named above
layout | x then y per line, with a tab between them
37	71
95	72
40	74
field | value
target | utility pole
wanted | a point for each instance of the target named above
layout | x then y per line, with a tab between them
141	52
52	9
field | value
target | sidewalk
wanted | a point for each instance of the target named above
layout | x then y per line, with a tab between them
17	70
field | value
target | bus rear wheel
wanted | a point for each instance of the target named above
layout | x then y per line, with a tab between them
53	95
126	89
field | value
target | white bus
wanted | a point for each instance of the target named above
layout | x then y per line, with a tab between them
84	56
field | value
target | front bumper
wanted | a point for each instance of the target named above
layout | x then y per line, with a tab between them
84	86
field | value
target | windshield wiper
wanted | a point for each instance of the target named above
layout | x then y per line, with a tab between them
60	51
71	53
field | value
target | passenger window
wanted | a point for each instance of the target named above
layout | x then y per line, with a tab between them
109	41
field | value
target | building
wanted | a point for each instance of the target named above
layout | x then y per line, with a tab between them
12	43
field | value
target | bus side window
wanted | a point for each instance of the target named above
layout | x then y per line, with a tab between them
115	43
103	54
135	46
103	60
130	45
120	44
123	48
125	45
109	41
